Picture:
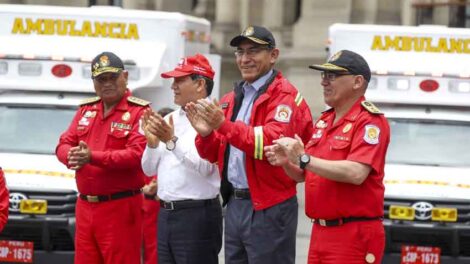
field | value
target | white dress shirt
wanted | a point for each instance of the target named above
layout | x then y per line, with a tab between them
182	173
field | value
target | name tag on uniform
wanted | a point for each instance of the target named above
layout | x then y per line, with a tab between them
120	126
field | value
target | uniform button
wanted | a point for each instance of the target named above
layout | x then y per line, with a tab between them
370	258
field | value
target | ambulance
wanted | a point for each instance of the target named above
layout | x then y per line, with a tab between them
421	82
45	57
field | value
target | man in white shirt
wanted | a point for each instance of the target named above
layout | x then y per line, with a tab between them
190	219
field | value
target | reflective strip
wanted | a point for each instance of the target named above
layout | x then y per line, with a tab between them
259	142
298	99
39	172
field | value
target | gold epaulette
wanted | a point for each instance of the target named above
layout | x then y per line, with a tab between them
371	108
89	100
138	101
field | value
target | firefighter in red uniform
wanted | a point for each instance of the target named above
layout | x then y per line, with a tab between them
104	146
343	166
261	218
150	208
4	201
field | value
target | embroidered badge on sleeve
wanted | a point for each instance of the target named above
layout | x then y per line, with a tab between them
371	134
283	113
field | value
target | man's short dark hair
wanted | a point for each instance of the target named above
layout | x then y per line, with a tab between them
209	82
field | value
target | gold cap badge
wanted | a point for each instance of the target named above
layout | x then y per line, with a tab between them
335	56
248	31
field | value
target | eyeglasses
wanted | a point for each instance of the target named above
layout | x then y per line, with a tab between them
250	52
331	76
108	77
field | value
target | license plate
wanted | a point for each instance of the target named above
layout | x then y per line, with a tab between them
420	255
16	251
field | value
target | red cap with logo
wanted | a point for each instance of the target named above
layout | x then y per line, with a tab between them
197	64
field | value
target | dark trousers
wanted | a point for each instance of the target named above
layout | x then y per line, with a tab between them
260	237
190	235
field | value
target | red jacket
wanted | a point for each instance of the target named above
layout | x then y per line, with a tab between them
115	143
274	113
4	201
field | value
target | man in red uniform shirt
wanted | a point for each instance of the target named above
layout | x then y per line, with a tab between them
343	166
103	145
150	209
4	201
261	218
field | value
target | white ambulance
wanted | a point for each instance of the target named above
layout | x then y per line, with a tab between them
45	57
421	81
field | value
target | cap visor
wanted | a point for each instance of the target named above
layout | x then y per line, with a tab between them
105	70
238	39
174	74
328	67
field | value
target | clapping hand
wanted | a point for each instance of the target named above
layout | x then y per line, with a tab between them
284	150
196	120
78	156
211	112
148	126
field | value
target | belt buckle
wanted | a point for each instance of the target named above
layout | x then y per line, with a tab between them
322	222
92	198
340	221
236	194
171	207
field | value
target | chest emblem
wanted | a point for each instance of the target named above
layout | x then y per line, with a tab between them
89	114
317	134
347	127
126	116
371	134
84	121
321	124
283	113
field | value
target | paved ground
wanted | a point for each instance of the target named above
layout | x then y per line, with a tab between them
303	231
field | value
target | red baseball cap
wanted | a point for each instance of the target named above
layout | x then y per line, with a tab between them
197	64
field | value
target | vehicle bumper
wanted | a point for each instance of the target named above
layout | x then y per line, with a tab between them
452	238
395	258
53	236
55	257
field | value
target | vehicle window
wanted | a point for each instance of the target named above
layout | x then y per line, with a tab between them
424	142
32	130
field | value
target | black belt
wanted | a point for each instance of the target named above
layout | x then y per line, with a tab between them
241	193
114	196
149	197
341	221
175	205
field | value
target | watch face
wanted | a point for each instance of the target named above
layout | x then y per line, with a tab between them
170	145
304	158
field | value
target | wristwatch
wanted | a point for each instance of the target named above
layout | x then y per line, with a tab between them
171	144
304	159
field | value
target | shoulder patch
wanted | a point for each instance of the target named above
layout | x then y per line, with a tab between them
283	113
371	108
90	100
371	134
138	101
